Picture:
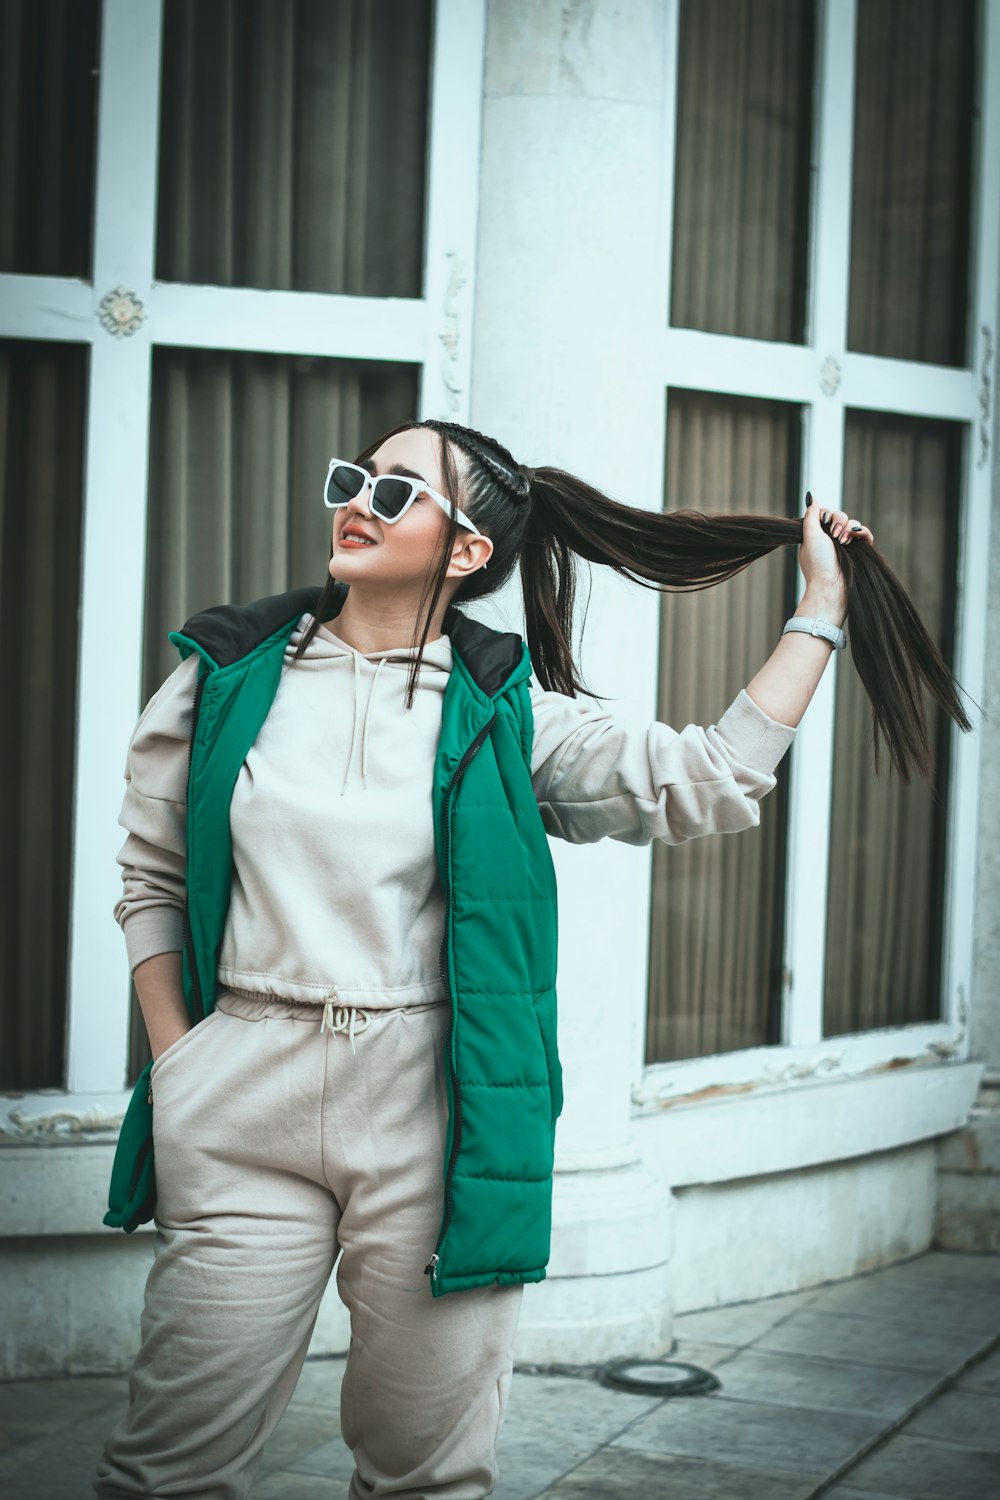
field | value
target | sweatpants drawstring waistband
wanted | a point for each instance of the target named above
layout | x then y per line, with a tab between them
343	1018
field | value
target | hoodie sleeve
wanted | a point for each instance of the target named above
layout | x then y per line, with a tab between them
154	815
597	776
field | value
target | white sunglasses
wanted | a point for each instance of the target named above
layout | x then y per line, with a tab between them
391	496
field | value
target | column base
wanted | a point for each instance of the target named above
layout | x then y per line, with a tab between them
607	1292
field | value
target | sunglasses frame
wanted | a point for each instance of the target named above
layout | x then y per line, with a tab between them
417	487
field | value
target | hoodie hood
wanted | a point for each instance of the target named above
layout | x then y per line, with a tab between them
494	660
378	681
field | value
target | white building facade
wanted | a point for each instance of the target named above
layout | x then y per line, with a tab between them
693	254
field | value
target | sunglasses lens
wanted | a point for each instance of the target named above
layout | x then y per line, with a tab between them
389	496
343	484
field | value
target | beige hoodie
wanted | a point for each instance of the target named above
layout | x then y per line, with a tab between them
335	881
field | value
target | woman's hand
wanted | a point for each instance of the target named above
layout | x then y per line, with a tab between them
823	531
787	680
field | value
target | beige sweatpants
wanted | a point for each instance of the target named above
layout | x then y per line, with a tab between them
276	1144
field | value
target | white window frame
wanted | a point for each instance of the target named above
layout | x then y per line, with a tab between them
431	331
824	378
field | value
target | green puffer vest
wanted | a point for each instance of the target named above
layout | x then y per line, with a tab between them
498	953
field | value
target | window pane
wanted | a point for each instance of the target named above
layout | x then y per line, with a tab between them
718	903
883	958
42	393
239	447
913	111
292	145
741	198
48	117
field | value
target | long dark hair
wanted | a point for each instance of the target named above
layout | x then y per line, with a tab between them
542	520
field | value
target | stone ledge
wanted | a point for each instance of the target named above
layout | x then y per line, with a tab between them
758	1135
56	1190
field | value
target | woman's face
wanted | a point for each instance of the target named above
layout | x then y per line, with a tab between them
402	553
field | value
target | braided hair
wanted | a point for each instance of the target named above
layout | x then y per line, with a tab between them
544	521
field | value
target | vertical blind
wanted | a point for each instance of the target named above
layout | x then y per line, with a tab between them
887	850
48	128
43	392
292	157
744	112
717	903
293	143
745	81
912	177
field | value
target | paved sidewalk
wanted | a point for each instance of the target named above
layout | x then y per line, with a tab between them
883	1387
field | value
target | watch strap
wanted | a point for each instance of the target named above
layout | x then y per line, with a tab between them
823	628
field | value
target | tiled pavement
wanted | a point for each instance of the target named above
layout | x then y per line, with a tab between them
883	1387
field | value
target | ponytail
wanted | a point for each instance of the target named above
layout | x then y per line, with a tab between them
686	550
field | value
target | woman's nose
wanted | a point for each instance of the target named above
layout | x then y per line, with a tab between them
361	501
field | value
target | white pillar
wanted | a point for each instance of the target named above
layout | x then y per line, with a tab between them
570	297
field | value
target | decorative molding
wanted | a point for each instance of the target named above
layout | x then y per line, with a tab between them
451	331
120	312
949	1048
985	396
830	375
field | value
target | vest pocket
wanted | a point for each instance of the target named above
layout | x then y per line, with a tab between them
545	1015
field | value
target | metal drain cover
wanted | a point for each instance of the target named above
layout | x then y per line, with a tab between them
658	1377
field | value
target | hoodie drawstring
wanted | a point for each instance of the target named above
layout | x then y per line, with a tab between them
364	734
364	731
354	735
343	1018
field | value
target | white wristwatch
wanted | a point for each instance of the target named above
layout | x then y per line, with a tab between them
822	628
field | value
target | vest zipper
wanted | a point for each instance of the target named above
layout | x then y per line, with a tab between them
431	1268
188	933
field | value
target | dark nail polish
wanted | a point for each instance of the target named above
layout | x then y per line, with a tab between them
856	527
809	498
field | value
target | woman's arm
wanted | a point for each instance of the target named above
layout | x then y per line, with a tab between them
786	682
600	775
154	815
597	775
161	999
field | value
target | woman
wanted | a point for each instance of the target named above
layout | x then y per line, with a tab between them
371	969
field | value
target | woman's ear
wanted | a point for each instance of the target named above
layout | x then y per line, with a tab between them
469	556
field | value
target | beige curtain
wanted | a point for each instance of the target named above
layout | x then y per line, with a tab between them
42	403
884	918
716	915
741	214
292	156
909	284
48	95
48	59
911	191
744	92
292	144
